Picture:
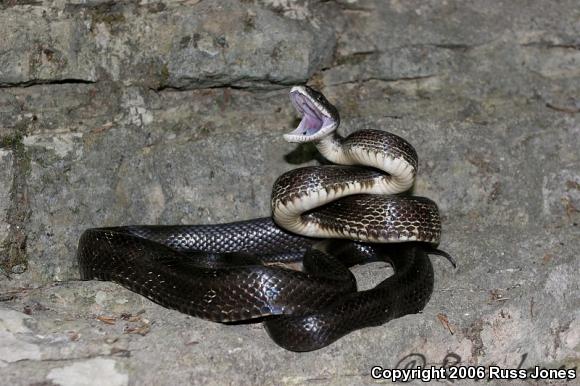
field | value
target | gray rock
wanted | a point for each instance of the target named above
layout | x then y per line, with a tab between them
39	47
15	347
172	113
161	45
95	371
6	176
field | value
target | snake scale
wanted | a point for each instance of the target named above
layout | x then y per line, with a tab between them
325	219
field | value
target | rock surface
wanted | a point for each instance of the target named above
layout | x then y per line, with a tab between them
150	112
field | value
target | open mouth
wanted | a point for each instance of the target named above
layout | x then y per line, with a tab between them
319	117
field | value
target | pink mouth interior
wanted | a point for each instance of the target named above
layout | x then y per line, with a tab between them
312	119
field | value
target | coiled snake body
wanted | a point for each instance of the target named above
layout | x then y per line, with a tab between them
233	273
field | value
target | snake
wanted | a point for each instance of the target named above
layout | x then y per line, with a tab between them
292	270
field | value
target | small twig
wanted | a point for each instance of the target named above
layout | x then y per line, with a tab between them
568	110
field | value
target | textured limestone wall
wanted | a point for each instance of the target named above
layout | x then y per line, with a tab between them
172	112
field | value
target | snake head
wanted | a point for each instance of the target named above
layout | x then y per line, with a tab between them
319	117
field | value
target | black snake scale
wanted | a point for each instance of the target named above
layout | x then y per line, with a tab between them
236	272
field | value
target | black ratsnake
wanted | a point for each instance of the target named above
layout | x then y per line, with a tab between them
239	271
